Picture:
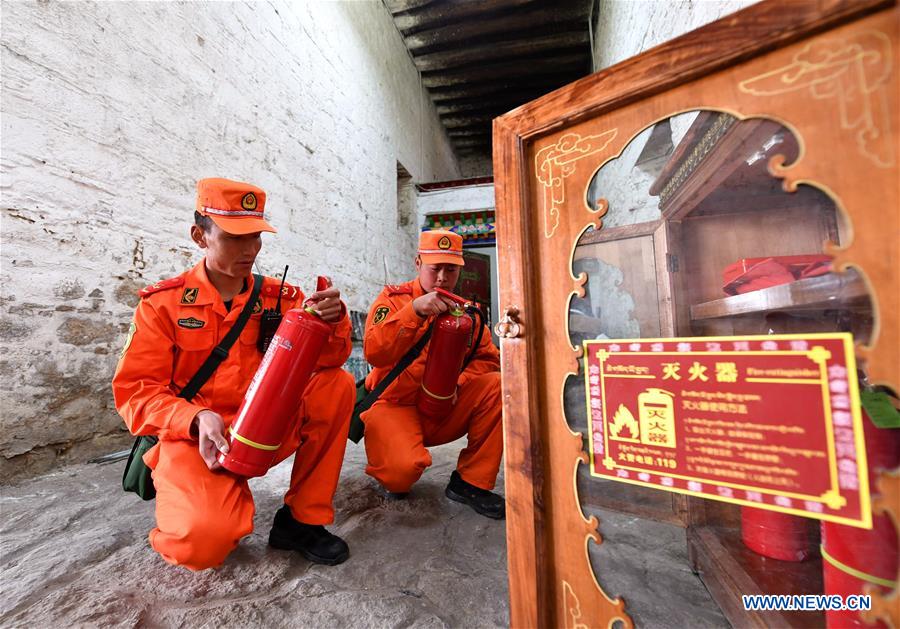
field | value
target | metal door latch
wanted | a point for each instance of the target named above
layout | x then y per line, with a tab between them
508	327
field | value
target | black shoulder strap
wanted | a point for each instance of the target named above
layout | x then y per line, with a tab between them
401	365
220	351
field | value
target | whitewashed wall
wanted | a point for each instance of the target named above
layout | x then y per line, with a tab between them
111	112
625	28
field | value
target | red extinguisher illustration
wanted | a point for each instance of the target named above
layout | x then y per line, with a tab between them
274	394
451	336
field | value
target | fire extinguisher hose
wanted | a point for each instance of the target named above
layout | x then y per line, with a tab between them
474	313
859	574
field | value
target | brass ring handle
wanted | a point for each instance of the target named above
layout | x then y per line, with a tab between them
508	327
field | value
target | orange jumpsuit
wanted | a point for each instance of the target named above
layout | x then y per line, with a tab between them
396	437
201	514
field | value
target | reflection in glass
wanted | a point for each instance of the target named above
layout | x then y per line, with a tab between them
700	239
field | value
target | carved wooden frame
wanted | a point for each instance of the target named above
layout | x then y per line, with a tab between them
550	577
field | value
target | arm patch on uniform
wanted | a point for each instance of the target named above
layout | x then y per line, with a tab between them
381	314
189	295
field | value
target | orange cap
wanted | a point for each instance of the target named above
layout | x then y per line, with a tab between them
234	206
441	247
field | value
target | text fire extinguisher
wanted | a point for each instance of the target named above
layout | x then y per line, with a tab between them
275	392
451	336
855	559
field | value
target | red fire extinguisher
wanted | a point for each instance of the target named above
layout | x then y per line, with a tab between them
854	558
777	535
450	337
275	392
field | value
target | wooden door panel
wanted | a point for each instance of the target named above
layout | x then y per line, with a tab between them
546	155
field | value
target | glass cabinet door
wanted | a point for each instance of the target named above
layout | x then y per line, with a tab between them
746	209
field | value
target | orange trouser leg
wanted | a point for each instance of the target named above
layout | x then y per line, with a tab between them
200	515
319	439
478	413
396	438
394	445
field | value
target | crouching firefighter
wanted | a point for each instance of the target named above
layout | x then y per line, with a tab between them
183	374
412	324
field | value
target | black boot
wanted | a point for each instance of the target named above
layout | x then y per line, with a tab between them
310	540
483	501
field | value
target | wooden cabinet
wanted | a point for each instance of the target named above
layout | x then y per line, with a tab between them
741	180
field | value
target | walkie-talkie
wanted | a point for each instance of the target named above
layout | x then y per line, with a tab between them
270	320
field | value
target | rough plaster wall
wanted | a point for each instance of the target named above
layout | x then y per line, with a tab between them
626	186
112	111
625	28
458	199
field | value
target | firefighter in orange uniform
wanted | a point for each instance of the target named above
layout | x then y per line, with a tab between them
396	437
202	511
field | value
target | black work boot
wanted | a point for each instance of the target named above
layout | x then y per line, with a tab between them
310	540
483	501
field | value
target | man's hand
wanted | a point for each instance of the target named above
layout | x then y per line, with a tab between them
210	431
327	303
431	304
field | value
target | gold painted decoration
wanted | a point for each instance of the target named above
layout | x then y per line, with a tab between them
553	164
572	607
855	74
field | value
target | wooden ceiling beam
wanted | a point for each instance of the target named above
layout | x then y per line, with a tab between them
540	84
474	152
494	102
451	122
520	24
444	13
545	65
468	133
505	50
472	129
399	6
471	142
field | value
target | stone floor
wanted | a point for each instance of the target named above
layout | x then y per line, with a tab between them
646	563
74	552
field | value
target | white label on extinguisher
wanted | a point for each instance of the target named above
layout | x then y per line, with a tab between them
277	342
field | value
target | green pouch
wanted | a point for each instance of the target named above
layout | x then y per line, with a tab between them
365	399
137	475
357	427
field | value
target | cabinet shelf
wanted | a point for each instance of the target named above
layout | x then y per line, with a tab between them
729	569
845	291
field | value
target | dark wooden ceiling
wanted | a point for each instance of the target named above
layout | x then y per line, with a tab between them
481	58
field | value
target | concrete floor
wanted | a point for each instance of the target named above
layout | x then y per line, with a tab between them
74	551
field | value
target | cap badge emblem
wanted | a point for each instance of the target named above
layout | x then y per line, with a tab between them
249	201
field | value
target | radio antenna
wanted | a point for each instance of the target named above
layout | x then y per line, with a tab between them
281	288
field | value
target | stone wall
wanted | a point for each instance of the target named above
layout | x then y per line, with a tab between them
112	111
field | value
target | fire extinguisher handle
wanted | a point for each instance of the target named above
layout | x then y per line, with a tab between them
453	296
323	282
